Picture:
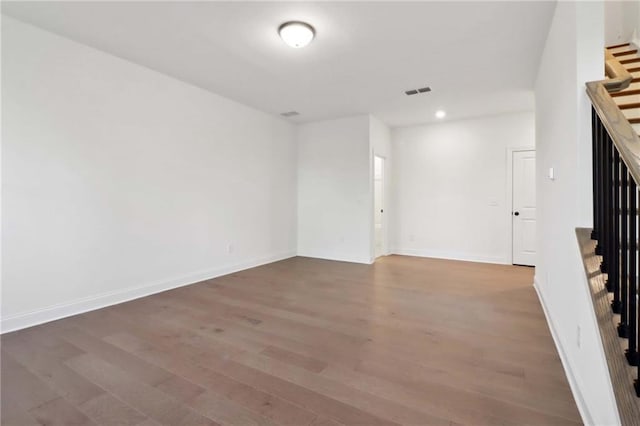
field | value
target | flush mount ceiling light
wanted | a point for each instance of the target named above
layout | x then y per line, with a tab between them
441	114
296	33
416	91
289	113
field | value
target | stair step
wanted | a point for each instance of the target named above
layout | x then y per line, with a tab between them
627	103
615	46
633	69
631	114
629	61
619	50
629	106
625	92
625	53
627	96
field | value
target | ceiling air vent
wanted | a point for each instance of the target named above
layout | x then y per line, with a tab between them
416	91
289	113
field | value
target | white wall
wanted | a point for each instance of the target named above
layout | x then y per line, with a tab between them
451	195
572	56
622	18
380	140
118	181
334	189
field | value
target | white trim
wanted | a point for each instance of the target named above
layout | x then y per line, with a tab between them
450	255
336	258
509	198
79	306
583	408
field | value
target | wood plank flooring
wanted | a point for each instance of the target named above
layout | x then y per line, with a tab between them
304	341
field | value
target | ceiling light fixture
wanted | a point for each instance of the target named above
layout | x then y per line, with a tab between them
289	113
416	91
441	114
296	33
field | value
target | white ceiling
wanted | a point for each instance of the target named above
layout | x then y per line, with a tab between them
478	57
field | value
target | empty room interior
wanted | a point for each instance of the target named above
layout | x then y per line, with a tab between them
320	213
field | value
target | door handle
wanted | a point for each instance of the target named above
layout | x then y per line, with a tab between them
516	213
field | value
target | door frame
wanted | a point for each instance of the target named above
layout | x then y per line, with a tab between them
385	224
509	206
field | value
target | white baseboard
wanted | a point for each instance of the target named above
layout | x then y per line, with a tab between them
337	258
583	408
79	306
438	254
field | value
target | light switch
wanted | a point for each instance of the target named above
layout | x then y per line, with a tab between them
552	175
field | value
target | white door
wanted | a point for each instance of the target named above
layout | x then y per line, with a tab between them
524	207
378	204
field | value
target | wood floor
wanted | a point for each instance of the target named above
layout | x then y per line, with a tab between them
301	342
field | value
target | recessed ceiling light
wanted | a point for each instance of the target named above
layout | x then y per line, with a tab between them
296	34
441	114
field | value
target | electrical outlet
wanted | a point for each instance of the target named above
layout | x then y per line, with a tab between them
230	248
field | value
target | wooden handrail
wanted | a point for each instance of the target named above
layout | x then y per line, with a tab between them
619	77
618	126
